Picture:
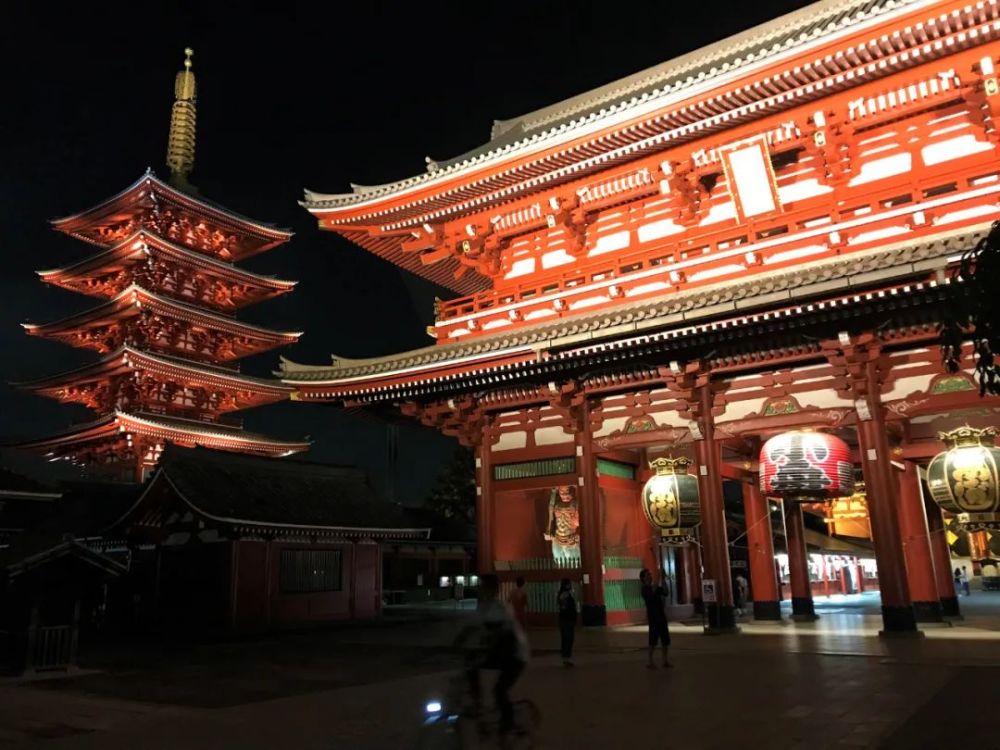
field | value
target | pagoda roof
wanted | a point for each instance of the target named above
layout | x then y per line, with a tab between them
250	493
165	429
134	297
134	248
149	187
696	72
673	315
173	368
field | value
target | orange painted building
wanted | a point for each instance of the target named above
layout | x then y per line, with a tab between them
752	238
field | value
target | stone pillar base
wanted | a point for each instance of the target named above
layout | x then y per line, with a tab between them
767	610
721	619
803	609
949	606
928	612
593	615
898	621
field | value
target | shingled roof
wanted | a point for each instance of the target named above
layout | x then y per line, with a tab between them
246	491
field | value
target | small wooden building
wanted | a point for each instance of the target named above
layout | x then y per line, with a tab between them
231	543
42	585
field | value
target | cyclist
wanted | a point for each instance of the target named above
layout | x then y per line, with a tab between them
502	646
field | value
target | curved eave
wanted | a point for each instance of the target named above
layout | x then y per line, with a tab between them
123	251
150	179
505	169
442	273
207	435
246	525
135	295
395	385
167	430
173	368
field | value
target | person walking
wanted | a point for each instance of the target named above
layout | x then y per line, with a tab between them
961	583
965	581
519	603
740	593
567	621
656	616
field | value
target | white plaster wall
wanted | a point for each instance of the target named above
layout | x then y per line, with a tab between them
740	409
905	386
610	425
668	418
511	440
551	436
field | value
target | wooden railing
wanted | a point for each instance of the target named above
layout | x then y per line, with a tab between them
52	648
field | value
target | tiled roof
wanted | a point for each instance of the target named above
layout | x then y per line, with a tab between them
900	260
163	427
194	200
123	248
139	360
245	490
710	65
165	305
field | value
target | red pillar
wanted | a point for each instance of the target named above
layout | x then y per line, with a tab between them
917	548
897	611
593	611
882	492
484	505
766	602
715	544
798	563
942	560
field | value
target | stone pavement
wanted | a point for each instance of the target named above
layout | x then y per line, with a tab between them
829	684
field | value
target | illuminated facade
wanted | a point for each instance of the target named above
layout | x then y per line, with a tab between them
753	238
164	327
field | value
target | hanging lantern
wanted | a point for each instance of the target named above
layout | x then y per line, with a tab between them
963	479
670	500
806	466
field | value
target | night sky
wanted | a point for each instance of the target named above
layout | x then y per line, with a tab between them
290	95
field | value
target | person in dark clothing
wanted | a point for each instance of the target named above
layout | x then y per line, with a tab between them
567	621
656	615
500	644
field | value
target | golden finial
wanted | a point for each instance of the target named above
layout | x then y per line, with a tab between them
183	116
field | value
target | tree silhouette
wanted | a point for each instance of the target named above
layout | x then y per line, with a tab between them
453	495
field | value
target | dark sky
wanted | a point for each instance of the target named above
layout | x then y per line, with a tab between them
291	95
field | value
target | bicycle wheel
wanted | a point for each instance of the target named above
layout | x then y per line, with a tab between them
440	734
527	717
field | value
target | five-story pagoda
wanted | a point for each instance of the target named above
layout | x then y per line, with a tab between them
165	327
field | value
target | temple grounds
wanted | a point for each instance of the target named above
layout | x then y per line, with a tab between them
833	683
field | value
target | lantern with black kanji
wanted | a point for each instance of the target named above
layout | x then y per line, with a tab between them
963	479
670	500
806	466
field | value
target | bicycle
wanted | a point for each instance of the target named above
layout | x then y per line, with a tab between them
452	723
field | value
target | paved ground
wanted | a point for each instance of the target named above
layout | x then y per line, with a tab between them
832	683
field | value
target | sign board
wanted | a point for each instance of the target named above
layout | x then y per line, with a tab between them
708	591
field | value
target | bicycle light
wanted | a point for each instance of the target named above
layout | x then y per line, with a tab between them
433	707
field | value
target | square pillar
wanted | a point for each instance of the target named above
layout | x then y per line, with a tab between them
715	543
593	610
917	548
883	501
798	563
760	541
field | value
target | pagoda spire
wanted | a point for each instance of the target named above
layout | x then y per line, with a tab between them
183	117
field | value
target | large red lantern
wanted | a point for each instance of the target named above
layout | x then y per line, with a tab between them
806	466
